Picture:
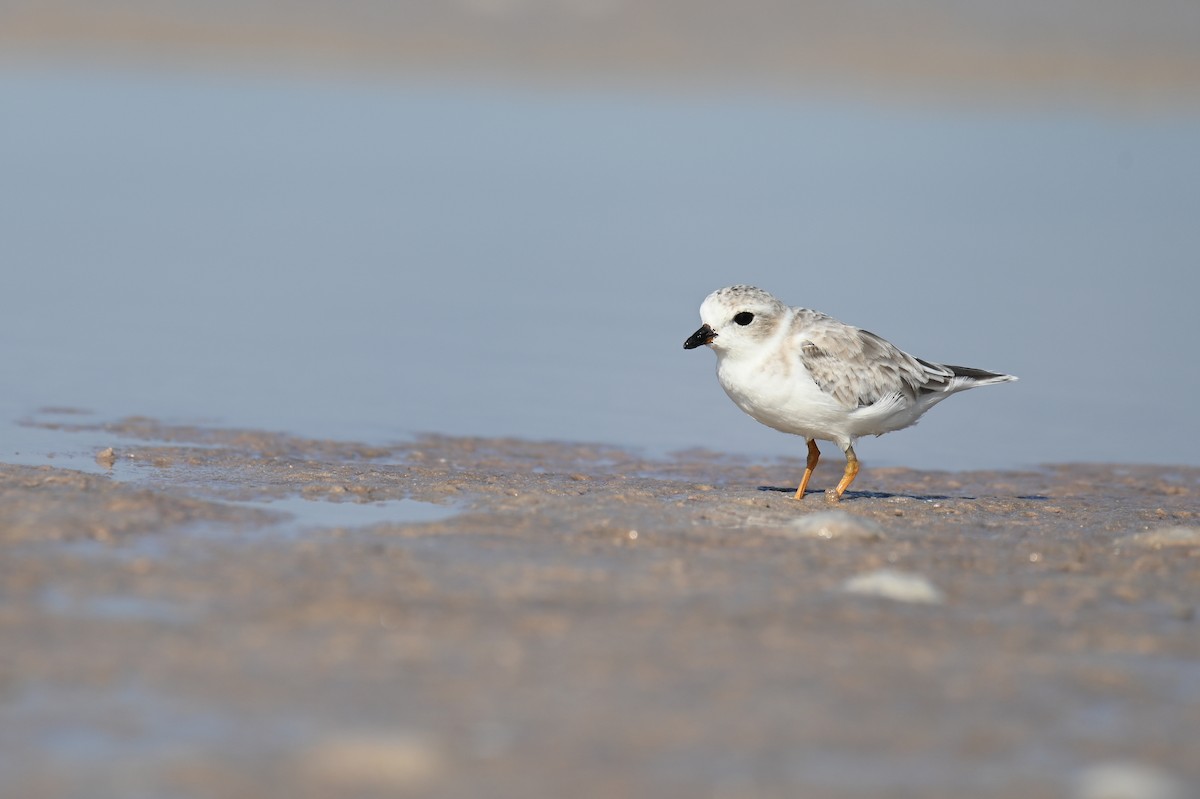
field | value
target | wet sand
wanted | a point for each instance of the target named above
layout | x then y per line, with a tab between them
580	620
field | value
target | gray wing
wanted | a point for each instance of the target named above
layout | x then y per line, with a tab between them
858	368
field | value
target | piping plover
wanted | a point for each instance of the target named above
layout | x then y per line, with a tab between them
806	373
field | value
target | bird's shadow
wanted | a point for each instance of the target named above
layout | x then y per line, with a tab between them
864	494
888	495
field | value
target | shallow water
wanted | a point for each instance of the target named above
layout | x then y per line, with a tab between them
31	445
305	513
365	259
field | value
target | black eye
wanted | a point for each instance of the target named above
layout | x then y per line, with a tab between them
744	318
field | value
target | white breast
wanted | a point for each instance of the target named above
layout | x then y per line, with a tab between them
780	393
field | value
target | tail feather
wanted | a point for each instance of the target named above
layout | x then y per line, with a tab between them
979	377
946	379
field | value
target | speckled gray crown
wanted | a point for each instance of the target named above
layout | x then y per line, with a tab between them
750	295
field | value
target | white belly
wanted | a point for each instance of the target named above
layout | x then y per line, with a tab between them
784	396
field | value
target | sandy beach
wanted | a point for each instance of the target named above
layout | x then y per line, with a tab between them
578	619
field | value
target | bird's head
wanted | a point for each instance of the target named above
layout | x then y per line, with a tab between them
736	319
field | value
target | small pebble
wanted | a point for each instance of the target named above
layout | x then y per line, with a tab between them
371	761
895	585
1127	780
1179	536
833	524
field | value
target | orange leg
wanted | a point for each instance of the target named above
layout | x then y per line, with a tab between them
850	473
814	455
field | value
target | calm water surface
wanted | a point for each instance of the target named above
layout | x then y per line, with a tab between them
364	259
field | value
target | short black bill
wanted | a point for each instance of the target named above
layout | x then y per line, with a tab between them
701	337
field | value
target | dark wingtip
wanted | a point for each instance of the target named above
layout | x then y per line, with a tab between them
978	374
